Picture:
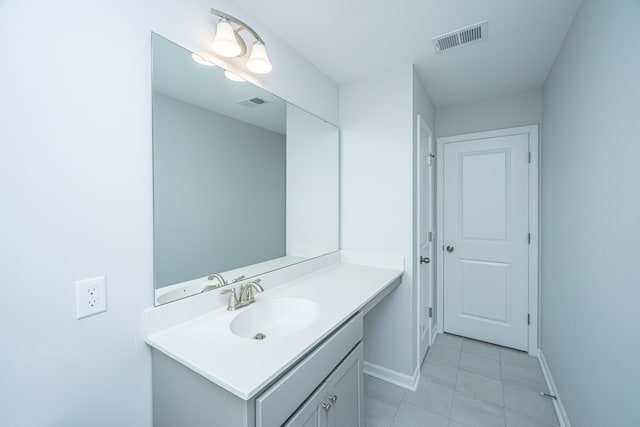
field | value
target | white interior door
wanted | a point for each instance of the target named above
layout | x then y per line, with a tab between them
425	241
486	243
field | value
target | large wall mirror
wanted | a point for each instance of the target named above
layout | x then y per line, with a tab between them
243	182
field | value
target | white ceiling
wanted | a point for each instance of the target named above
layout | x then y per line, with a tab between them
352	39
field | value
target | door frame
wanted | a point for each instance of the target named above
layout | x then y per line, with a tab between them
534	247
423	126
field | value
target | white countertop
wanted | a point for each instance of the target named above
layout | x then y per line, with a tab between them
243	366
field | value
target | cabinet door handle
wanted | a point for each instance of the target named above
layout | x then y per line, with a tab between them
326	406
333	398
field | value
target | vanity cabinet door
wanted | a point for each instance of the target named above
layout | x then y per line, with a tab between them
311	413
338	400
345	391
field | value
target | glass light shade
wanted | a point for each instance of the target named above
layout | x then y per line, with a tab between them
233	77
258	60
200	60
225	42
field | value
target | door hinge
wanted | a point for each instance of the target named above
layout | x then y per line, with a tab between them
430	311
431	236
529	156
529	239
528	318
431	157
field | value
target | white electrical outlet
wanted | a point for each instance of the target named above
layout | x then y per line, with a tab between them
91	297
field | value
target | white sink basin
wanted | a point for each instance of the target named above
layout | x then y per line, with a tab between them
275	318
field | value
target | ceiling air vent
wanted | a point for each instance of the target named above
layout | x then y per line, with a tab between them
461	37
252	102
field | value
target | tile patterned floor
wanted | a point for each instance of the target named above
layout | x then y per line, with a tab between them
464	383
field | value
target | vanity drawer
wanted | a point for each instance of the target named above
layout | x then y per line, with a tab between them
277	403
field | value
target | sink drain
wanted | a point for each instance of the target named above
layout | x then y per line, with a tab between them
259	336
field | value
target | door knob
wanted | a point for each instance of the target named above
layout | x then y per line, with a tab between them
333	398
449	248
424	260
326	406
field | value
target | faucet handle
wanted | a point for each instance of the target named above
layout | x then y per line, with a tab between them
233	299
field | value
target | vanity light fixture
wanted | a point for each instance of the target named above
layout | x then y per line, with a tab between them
228	43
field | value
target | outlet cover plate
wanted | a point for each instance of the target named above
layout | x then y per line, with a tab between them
91	297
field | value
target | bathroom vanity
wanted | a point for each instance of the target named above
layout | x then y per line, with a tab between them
306	370
293	357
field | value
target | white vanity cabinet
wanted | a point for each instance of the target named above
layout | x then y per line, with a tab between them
330	375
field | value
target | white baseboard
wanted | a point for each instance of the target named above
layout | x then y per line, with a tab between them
410	382
563	419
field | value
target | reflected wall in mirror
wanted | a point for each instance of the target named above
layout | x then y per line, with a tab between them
243	182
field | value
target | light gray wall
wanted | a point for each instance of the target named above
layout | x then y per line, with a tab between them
591	216
377	197
497	113
219	192
75	180
422	105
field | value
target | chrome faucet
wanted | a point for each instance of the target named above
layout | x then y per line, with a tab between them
246	295
219	278
246	292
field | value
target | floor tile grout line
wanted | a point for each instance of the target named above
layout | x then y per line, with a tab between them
455	386
481	355
481	374
395	414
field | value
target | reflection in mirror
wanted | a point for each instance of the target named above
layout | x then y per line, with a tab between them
243	182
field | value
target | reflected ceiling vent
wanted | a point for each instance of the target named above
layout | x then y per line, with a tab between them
253	102
462	37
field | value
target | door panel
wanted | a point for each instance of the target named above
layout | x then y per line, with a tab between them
486	225
345	391
484	195
485	290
